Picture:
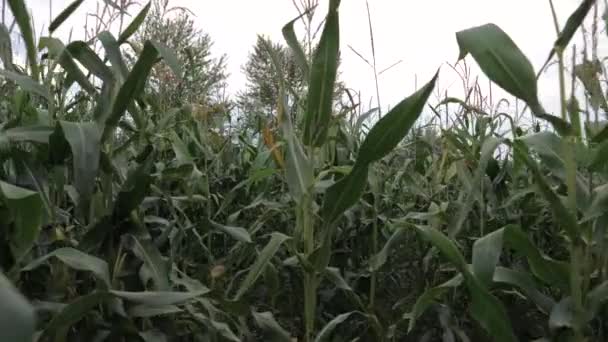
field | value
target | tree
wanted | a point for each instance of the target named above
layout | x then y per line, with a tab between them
262	90
204	77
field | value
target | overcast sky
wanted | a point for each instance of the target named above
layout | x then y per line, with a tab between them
419	33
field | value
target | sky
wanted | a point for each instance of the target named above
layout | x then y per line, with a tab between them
420	34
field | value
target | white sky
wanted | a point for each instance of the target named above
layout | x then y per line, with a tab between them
421	33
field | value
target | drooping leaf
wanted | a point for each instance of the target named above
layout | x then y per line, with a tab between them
76	260
266	322
587	72
474	193
326	333
57	51
486	253
39	134
146	251
561	213
66	13
378	260
159	298
506	65
429	297
145	311
526	284
238	233
25	208
170	58
256	270
85	142
220	328
294	44
489	311
22	17
57	329
17	317
597	298
550	271
83	53
135	24
574	22
110	44
26	83
322	80
563	315
446	246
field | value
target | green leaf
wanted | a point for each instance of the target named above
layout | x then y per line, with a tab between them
64	15
597	298
6	48
146	251
135	24
563	315
83	53
182	155
57	329
238	233
587	72
446	246
17	317
474	193
57	50
551	272
526	284
486	253
599	157
22	17
133	86
276	240
219	327
76	260
85	142
170	58
429	297
390	130
378	260
299	168
39	134
327	331
598	205
574	22
292	41
344	194
322	80
501	60
504	63
561	213
145	311
26	83
25	208
266	322
110	44
159	298
489	311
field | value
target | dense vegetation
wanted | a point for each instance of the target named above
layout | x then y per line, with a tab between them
139	202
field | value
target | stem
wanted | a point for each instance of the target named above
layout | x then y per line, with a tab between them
372	288
310	281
